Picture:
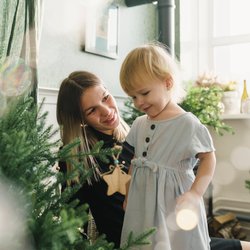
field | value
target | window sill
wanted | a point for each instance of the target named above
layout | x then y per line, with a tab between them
235	116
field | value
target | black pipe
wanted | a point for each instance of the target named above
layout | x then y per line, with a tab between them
166	19
166	15
131	3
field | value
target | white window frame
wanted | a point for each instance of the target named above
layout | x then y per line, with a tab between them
199	46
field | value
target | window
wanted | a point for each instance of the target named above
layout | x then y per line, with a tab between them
215	37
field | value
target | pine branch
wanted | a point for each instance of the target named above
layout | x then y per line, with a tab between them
141	239
130	113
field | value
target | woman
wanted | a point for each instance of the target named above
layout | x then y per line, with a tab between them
86	110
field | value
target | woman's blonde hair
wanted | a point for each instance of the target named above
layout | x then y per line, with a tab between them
149	62
71	120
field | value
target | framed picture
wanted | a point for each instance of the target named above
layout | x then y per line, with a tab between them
101	36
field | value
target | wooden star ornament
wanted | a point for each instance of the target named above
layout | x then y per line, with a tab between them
116	178
116	181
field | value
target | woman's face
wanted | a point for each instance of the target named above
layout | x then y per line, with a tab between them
99	109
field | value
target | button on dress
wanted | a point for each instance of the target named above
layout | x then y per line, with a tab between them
161	176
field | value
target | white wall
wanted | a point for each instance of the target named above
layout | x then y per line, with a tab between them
62	36
49	96
232	168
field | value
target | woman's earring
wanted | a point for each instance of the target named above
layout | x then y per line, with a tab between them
83	125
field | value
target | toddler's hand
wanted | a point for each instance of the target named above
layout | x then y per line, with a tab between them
124	204
189	200
187	210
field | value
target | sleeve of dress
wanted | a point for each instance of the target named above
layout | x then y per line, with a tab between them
202	141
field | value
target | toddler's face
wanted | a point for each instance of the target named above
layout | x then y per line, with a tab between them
151	97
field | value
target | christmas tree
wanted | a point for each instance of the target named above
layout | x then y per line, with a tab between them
40	216
129	112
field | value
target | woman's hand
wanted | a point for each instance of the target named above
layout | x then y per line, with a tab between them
125	203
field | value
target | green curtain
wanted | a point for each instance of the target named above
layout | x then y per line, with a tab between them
19	33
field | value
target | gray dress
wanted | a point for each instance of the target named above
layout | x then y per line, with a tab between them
162	170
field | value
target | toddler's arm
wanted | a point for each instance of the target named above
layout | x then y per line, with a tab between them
204	173
203	178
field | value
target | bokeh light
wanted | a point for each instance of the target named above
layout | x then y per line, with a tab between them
186	219
240	158
13	230
15	77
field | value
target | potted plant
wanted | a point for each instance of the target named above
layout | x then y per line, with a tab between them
230	98
205	103
204	99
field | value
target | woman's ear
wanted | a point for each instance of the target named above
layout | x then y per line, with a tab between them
169	83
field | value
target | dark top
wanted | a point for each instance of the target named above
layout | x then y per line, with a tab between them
107	210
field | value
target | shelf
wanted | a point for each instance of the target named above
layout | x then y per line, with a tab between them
235	116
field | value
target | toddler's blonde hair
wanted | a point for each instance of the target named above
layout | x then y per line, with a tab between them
150	62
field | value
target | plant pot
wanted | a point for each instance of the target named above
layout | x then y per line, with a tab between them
231	102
